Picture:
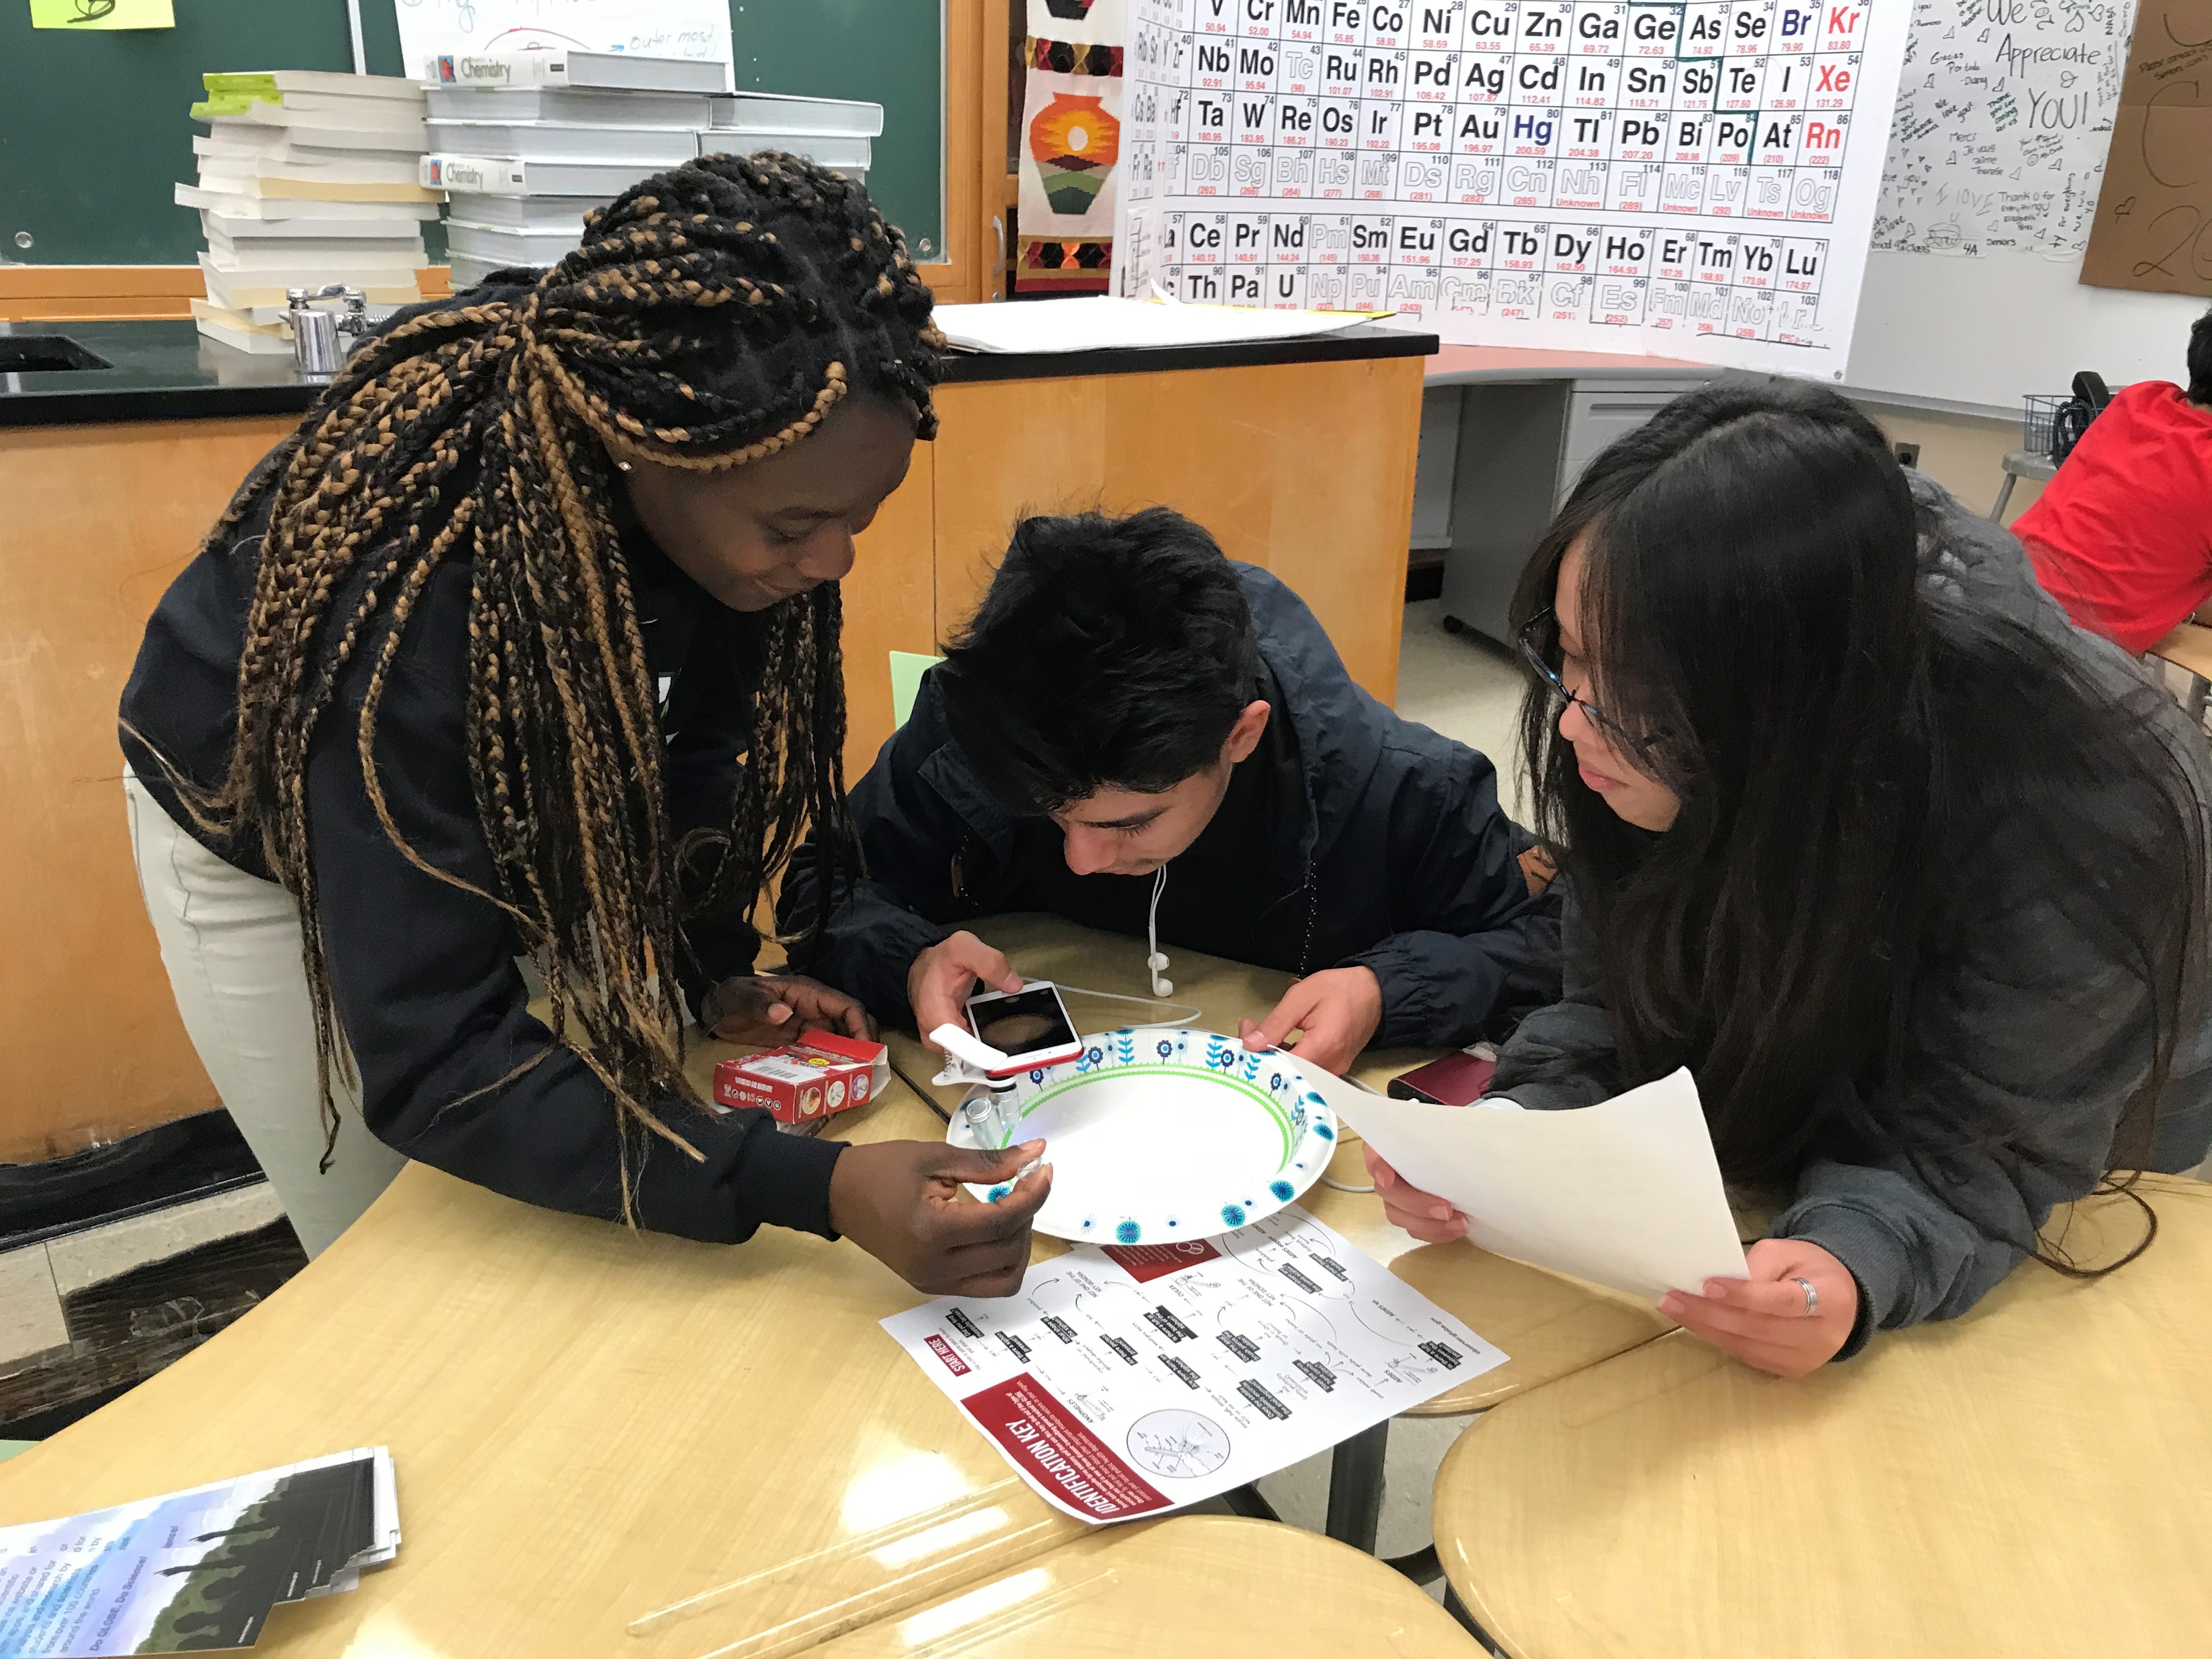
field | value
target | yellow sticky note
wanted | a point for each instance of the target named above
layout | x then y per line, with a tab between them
102	15
262	85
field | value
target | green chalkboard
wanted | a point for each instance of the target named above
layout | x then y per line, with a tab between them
891	52
94	133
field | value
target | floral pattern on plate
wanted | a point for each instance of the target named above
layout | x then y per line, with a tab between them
1161	1135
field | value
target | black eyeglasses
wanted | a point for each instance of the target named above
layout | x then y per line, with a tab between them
1528	638
1649	746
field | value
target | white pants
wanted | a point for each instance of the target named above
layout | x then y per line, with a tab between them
231	943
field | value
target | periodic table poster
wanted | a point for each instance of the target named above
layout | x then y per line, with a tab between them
1690	177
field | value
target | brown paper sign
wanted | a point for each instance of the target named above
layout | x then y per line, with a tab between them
2154	224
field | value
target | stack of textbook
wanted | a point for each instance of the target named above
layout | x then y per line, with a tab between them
305	178
835	132
525	143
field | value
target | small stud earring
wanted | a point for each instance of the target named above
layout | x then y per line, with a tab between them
622	467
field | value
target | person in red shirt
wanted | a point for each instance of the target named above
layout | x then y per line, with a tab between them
2122	537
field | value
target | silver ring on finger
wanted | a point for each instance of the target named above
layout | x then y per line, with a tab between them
1812	1296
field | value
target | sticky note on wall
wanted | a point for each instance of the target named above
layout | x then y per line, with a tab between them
102	15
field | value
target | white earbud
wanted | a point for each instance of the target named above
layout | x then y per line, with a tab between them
1158	962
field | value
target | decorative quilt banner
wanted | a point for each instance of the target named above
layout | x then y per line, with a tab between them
1070	146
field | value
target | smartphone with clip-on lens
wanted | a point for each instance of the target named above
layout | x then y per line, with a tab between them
1029	1026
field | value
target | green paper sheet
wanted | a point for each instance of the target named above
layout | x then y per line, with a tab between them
102	15
906	669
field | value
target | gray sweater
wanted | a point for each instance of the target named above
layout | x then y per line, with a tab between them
2035	1035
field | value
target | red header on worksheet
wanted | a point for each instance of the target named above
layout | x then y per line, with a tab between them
1145	1263
1044	1438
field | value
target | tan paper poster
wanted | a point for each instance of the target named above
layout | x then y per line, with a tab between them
2154	225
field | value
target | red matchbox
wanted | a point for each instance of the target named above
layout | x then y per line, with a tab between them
806	1082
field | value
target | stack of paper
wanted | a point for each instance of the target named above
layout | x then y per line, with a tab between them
305	178
835	132
524	143
197	1569
1100	322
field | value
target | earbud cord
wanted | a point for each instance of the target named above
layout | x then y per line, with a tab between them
1186	1012
1162	986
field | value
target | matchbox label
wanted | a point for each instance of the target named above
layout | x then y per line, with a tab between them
804	1082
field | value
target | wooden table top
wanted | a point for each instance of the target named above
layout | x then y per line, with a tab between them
714	1450
2034	1480
1547	1326
614	1441
1200	1585
2190	646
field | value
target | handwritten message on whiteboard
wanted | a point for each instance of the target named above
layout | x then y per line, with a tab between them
655	29
2004	113
1697	179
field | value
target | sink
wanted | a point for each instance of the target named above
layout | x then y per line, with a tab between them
43	354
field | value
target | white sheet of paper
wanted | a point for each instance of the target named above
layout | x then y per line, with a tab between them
1102	323
1626	1193
1125	1380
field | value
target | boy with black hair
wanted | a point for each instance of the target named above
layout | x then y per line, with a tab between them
2122	537
1133	726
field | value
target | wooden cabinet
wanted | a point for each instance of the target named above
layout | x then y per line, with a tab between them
1305	469
1000	82
99	520
891	605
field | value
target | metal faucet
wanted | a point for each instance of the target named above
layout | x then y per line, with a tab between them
321	339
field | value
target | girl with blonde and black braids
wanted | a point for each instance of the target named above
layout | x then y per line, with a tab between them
525	643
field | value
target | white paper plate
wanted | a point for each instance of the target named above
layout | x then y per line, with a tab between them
1158	1135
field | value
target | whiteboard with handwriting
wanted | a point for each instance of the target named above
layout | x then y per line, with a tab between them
1693	178
2004	109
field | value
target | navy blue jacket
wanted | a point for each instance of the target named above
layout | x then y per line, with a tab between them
423	972
1385	846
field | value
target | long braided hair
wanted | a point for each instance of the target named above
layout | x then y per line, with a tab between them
713	315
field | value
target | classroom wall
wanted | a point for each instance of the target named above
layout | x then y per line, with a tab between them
1965	453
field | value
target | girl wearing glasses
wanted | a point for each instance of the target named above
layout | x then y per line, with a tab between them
1909	872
